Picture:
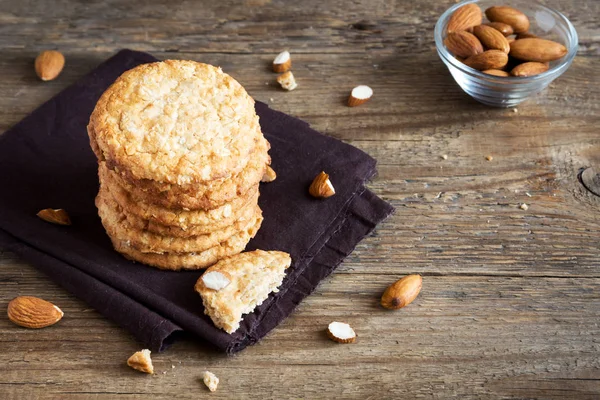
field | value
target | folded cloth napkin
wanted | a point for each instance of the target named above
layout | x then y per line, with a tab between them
46	162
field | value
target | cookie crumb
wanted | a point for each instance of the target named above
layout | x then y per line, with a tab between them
527	193
515	110
524	206
141	361
489	158
445	157
211	381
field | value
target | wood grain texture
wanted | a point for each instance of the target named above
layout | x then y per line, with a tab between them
510	302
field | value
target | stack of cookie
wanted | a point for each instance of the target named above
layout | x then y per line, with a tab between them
180	155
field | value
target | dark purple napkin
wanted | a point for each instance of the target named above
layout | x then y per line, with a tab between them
46	161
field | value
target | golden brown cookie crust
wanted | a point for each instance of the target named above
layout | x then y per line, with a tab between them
206	196
191	261
178	122
117	226
189	223
253	276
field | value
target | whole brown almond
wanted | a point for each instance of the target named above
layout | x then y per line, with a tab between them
49	64
463	44
529	69
55	216
33	312
491	38
490	59
496	72
465	18
540	50
526	35
510	16
401	293
501	27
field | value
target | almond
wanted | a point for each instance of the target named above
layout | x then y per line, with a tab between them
269	175
55	216
401	293
216	280
141	361
463	44
464	18
49	64
287	81
321	186
491	38
33	312
529	69
540	50
341	332
496	72
491	59
510	16
527	35
359	95
501	27
283	62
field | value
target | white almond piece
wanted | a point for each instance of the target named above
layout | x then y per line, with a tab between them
215	280
287	81
283	62
341	332
359	95
211	381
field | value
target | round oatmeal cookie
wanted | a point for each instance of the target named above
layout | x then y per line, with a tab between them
199	221
207	196
197	260
117	226
178	122
138	223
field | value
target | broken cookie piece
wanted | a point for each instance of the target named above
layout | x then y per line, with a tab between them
210	380
141	361
251	277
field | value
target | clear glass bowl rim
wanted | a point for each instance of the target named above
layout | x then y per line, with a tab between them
573	44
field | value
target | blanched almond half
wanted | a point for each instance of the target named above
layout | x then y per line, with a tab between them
215	280
359	95
283	62
341	332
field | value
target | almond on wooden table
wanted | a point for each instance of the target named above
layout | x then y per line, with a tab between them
402	292
49	64
33	312
360	95
463	44
283	62
464	18
491	38
501	27
540	50
341	332
508	15
490	59
529	69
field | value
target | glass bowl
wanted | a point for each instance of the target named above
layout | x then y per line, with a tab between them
509	91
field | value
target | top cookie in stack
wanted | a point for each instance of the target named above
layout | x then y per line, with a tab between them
180	155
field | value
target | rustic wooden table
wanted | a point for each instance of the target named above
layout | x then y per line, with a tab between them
510	302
